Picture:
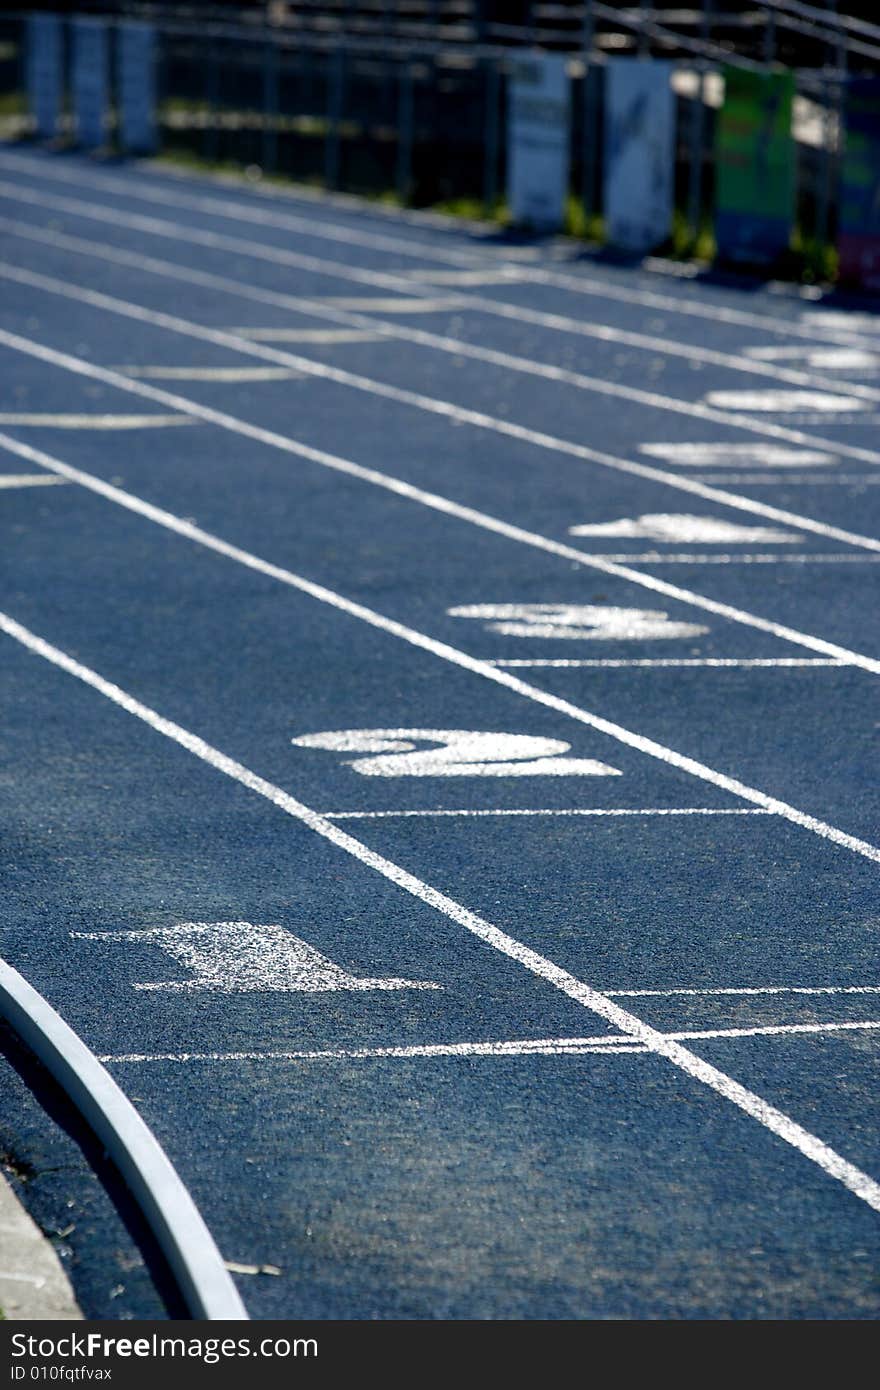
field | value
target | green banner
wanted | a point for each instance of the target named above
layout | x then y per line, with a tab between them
755	165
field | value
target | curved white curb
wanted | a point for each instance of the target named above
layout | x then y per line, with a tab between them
168	1208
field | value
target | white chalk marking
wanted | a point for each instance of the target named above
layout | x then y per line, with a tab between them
446	652
307	335
396	304
464	753
12	480
401	395
734	455
807	557
93	422
400	488
240	957
586	622
683	528
576	811
553	1047
782	401
224	374
697	661
836	359
817	323
778	1123
737	990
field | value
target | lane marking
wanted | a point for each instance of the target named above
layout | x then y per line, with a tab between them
827	358
816	323
12	480
576	811
697	661
807	557
230	374
445	652
683	529
460	348
553	1047
402	396
581	621
307	335
774	1120
242	957
93	422
463	753
755	989
402	489
781	479
396	304
727	455
782	401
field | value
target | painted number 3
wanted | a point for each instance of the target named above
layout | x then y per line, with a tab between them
455	753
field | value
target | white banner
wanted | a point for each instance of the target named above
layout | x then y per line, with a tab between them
539	106
639	152
136	86
90	81
44	72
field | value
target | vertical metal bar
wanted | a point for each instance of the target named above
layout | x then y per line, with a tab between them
332	150
270	105
589	150
490	145
698	131
212	93
404	131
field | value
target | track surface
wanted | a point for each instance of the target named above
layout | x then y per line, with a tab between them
579	1026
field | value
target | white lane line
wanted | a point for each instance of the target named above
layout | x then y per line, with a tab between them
92	422
780	480
396	304
577	811
778	1123
835	328
446	409
307	335
13	480
764	456
528	1047
225	374
808	557
740	990
453	655
748	662
782	402
460	348
399	488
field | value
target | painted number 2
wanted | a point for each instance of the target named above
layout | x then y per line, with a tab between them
455	753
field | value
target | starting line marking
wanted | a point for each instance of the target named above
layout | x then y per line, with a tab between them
10	480
95	422
747	662
655	557
552	1047
576	811
809	1145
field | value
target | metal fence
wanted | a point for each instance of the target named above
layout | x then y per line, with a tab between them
407	98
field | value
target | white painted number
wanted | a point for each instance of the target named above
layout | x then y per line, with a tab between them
684	530
783	401
588	622
240	957
461	753
739	456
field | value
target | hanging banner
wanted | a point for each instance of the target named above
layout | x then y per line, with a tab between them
538	123
89	80
755	163
639	153
858	240
136	86
45	74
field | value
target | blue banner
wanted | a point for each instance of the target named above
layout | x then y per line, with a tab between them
45	74
639	152
90	81
858	241
136	86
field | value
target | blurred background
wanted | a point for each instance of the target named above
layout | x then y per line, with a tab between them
734	133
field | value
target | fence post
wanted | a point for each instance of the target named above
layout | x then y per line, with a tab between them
212	93
698	131
590	147
405	131
270	105
332	152
490	148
